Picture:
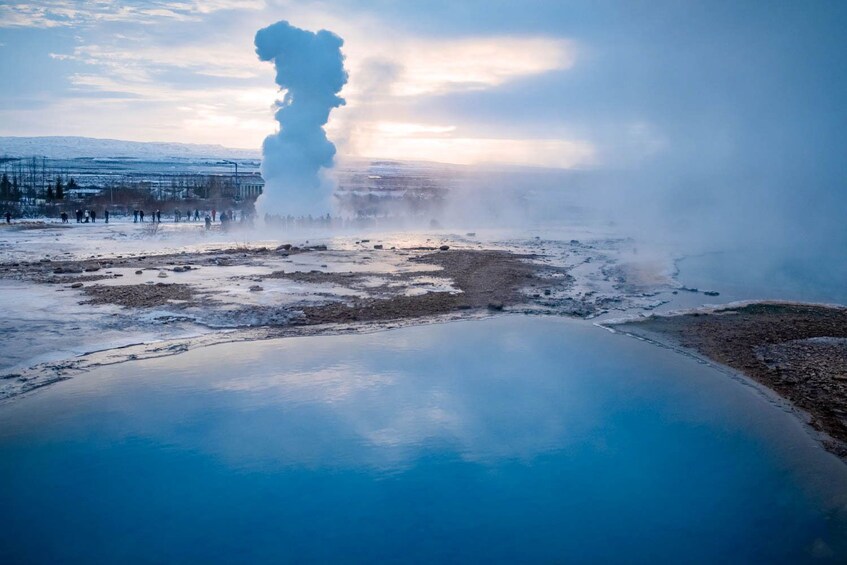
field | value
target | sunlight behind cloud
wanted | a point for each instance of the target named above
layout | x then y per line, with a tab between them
554	153
437	66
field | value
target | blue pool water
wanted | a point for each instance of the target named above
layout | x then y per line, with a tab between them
511	439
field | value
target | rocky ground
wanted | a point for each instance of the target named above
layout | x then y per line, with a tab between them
470	279
796	350
71	294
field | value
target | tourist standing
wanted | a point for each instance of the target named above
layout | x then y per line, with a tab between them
106	215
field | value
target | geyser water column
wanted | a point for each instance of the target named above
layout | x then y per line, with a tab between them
310	69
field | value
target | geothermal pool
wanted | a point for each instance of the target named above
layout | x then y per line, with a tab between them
511	439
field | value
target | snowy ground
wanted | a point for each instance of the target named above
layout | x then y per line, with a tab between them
47	326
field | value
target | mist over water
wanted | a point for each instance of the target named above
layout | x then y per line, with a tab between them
717	127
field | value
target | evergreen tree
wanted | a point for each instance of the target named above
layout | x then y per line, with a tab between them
50	193
5	188
71	185
60	190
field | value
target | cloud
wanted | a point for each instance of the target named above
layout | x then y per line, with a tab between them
63	13
194	77
435	66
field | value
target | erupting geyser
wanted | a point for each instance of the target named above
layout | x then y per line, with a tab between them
310	69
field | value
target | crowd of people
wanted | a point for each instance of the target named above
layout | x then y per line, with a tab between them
85	216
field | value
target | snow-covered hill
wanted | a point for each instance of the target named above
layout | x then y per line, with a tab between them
76	147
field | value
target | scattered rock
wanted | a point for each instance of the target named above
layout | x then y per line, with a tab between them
712	293
378	246
444	247
498	306
256	288
76	285
139	272
162	275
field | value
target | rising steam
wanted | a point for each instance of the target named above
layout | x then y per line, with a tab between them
310	69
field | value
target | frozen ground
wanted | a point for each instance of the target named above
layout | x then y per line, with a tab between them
74	296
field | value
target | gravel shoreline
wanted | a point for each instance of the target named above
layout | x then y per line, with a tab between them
798	351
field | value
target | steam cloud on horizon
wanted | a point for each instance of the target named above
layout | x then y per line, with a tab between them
310	68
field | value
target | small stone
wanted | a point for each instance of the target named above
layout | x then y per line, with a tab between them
162	275
76	285
139	272
444	247
256	288
495	306
378	246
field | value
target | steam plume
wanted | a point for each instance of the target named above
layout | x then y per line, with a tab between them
310	68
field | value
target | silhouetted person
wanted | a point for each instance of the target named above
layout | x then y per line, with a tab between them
93	216
197	214
64	217
141	215
208	222
8	217
135	216
106	215
159	216
213	214
79	216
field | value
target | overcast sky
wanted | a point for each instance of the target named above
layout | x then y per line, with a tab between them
562	84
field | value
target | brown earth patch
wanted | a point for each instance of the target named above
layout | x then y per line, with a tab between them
138	295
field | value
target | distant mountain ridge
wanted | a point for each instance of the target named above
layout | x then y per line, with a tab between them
70	147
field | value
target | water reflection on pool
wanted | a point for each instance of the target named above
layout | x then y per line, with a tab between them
517	438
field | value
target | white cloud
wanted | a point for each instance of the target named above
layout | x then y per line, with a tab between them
58	13
434	67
